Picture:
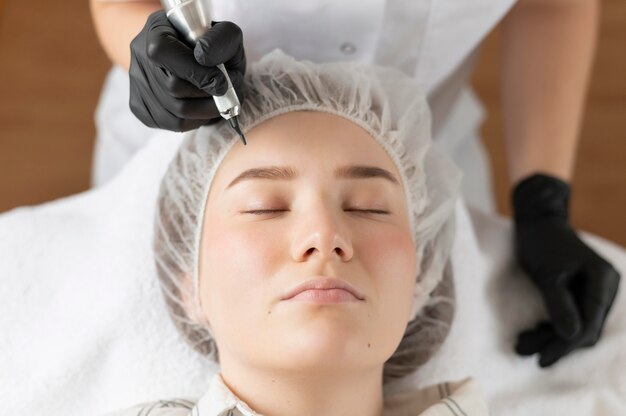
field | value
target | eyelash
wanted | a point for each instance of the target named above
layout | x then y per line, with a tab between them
266	211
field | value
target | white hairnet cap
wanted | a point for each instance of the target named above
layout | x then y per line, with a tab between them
383	101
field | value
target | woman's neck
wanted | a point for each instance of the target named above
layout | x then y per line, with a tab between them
309	393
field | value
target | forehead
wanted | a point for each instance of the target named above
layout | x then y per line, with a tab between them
313	142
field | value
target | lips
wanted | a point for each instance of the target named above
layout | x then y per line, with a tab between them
322	283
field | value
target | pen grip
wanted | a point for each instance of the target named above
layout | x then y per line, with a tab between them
191	18
227	104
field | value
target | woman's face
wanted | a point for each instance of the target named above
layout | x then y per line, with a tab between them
266	232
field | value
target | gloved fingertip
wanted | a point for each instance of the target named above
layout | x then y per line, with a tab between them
200	52
221	89
524	348
209	88
217	88
568	329
520	350
547	361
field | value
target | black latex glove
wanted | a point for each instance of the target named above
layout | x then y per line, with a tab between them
171	84
578	286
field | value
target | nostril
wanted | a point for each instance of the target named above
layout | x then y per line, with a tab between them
340	252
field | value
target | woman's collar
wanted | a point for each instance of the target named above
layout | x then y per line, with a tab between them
219	400
463	396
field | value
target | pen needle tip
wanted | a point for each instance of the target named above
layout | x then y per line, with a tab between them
235	126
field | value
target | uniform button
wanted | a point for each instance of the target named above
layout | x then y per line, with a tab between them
348	48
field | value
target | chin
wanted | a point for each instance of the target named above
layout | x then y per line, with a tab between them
320	343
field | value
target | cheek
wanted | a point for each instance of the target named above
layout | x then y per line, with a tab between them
390	256
391	248
235	266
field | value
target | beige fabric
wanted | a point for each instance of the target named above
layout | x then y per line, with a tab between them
454	398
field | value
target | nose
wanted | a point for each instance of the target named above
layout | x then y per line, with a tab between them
322	235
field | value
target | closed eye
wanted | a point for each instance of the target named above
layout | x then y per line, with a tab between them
263	211
269	211
372	211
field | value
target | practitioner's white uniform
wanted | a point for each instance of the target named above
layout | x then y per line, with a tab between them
435	41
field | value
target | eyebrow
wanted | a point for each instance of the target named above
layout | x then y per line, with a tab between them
288	173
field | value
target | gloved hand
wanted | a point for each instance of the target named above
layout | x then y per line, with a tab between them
578	286
171	84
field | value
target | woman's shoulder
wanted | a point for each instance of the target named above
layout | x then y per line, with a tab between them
173	407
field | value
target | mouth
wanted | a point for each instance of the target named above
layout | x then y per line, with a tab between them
323	289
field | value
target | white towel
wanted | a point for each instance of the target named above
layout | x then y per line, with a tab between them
84	330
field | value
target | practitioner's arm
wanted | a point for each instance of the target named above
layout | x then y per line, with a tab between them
547	54
118	22
547	50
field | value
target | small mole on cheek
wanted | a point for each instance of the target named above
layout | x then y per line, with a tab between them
368	345
270	311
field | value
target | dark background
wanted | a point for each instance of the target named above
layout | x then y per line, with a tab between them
52	68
